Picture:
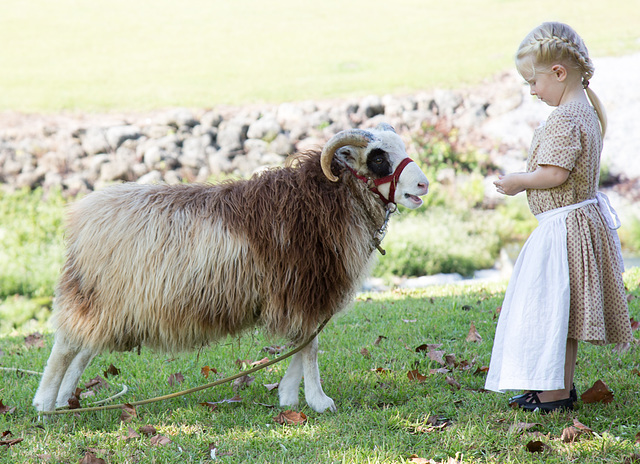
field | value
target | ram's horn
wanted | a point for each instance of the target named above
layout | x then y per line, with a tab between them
356	137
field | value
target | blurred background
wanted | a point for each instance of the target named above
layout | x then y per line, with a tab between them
99	92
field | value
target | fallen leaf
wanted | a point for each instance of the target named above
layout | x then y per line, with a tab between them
417	460
522	426
473	335
453	383
379	339
74	402
290	417
128	413
450	360
442	370
365	352
635	325
598	393
96	383
206	371
176	378
638	438
536	446
90	458
271	386
415	375
242	382
159	440
131	434
148	430
570	434
210	405
111	370
34	339
580	426
436	356
481	370
6	409
259	362
274	349
9	442
428	347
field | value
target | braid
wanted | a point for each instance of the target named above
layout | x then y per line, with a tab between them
554	42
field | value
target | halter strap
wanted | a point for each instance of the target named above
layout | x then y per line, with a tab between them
391	178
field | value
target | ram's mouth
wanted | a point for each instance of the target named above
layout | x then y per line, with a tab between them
413	199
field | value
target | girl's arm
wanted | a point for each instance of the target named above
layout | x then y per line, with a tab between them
545	177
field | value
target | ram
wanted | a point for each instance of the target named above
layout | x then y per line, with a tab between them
176	267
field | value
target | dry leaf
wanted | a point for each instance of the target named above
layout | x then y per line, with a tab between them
598	393
453	383
6	409
522	426
111	370
271	386
242	382
96	383
442	370
90	458
274	349
428	347
481	370
379	339
176	378
261	361
206	371
570	434
473	335
128	413
436	356
131	434
290	417
159	440
635	325
536	446
380	370
580	426
450	360
74	402
415	375
34	339
9	442
638	438
365	352
417	460
148	430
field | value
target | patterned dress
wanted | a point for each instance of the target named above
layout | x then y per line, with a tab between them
571	139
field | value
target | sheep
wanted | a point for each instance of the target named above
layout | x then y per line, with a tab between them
175	267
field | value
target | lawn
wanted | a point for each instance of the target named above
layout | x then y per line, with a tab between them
385	414
148	54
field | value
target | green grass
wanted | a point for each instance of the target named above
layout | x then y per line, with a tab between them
123	55
381	417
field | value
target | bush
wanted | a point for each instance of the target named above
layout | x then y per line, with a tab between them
31	242
440	241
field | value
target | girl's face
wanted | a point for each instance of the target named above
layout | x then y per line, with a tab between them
548	84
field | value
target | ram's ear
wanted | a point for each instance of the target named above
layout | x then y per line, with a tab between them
349	154
383	126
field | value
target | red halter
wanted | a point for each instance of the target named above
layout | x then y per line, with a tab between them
391	178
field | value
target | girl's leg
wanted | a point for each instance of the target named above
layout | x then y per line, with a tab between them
569	371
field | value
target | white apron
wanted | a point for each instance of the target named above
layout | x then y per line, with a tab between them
531	336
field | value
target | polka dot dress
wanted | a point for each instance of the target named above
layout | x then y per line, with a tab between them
571	139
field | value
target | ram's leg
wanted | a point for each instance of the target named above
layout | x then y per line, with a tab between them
62	354
314	394
71	378
289	387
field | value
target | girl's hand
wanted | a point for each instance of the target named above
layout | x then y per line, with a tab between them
510	184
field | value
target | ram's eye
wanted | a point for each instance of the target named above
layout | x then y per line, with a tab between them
378	160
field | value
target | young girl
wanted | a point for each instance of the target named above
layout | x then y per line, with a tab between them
567	282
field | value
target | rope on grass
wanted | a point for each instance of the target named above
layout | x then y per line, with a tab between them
190	390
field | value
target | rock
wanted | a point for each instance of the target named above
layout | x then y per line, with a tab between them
116	135
266	128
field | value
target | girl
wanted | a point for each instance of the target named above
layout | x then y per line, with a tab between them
567	282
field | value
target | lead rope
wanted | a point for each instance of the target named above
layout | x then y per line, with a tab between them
379	235
191	390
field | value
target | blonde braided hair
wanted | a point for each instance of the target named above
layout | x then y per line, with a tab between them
554	42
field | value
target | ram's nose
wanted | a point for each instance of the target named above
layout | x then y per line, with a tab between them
423	187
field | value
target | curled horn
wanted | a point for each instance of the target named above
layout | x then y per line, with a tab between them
356	137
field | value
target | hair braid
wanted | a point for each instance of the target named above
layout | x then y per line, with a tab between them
554	42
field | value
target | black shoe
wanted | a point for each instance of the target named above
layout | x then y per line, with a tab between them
531	402
573	395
